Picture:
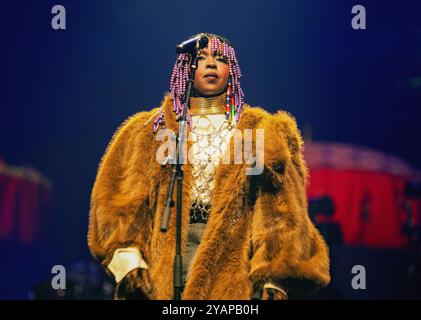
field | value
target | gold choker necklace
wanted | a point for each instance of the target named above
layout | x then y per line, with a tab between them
206	106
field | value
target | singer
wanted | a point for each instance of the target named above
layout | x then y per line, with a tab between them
243	236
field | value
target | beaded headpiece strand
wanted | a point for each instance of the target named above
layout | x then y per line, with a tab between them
180	76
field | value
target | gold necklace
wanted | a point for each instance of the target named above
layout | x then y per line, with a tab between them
208	106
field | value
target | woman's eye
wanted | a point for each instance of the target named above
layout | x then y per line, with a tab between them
200	58
222	60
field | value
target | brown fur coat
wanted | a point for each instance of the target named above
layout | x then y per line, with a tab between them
258	230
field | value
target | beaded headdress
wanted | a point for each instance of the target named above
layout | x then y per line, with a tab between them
180	76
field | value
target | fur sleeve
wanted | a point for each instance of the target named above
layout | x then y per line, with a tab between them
287	248
120	216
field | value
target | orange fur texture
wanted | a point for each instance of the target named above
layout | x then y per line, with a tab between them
258	231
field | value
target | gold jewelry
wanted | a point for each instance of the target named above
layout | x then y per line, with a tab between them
207	106
207	133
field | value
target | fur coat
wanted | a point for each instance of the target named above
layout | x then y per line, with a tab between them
258	230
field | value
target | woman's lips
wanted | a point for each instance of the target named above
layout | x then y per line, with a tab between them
211	75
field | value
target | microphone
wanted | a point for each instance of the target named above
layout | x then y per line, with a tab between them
189	46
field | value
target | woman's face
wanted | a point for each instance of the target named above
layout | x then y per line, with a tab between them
212	73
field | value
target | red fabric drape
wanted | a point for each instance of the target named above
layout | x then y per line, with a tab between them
369	206
22	202
8	202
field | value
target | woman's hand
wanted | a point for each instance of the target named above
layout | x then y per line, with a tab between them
136	285
273	294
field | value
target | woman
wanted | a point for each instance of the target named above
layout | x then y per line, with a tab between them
244	235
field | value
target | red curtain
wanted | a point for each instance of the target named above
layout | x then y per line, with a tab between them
22	203
369	206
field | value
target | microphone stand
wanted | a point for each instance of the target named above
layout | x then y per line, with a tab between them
177	173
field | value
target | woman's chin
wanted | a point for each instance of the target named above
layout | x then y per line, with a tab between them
210	92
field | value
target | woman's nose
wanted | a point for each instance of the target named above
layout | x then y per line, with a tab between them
210	63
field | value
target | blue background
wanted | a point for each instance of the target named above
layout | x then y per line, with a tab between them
65	92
